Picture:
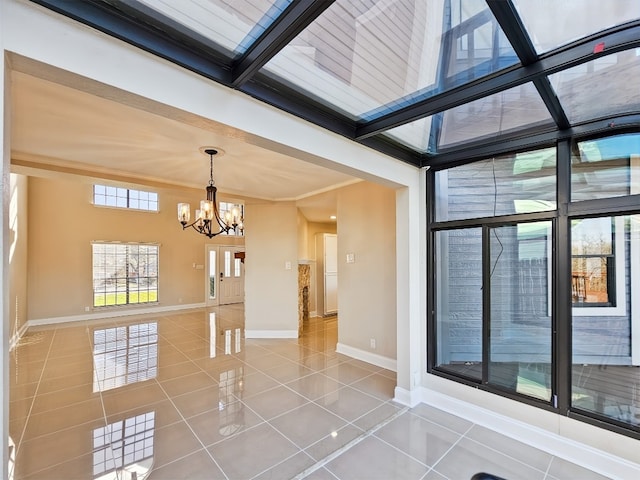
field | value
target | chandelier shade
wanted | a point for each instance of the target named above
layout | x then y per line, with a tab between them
208	220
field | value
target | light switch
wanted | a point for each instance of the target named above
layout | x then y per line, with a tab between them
351	257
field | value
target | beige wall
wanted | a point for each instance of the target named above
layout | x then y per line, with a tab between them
367	287
271	290
17	253
62	223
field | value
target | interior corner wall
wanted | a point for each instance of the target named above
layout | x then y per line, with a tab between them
271	270
17	255
62	224
367	287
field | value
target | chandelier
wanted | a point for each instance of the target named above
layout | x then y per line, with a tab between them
208	220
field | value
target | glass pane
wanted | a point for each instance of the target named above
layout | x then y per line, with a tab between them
606	346
491	116
551	23
212	274
227	263
459	301
612	77
597	266
414	135
519	183
520	324
371	57
231	24
606	167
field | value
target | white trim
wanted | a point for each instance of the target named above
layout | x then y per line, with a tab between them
271	334
109	313
573	451
365	356
410	398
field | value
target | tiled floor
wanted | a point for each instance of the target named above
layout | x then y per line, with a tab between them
186	396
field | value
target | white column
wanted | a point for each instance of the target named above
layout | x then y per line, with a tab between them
411	289
4	245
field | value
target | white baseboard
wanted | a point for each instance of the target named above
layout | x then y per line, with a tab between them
110	313
573	451
271	334
410	398
369	357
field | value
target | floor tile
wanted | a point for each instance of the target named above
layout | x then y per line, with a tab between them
419	438
288	468
197	466
307	424
349	403
376	385
199	401
314	386
173	442
334	442
373	459
274	402
442	418
378	415
221	423
531	456
252	452
468	458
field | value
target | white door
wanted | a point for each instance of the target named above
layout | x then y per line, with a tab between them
231	275
330	274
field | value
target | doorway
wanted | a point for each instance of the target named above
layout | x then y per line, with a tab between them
224	281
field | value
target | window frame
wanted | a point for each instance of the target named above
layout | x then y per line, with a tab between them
150	278
561	308
127	194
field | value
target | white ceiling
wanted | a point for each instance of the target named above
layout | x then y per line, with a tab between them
62	126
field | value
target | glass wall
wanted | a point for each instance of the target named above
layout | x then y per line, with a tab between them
516	271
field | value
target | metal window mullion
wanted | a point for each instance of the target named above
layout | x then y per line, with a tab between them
432	342
486	303
561	292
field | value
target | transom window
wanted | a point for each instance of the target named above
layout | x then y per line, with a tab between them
118	197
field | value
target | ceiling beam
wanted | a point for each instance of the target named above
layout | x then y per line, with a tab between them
577	53
179	47
295	18
507	16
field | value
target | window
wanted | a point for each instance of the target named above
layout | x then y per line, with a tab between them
124	274
518	183
597	263
512	273
235	213
606	167
119	197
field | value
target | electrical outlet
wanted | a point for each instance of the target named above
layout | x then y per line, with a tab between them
372	343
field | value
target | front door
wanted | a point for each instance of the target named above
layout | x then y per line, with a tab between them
231	275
